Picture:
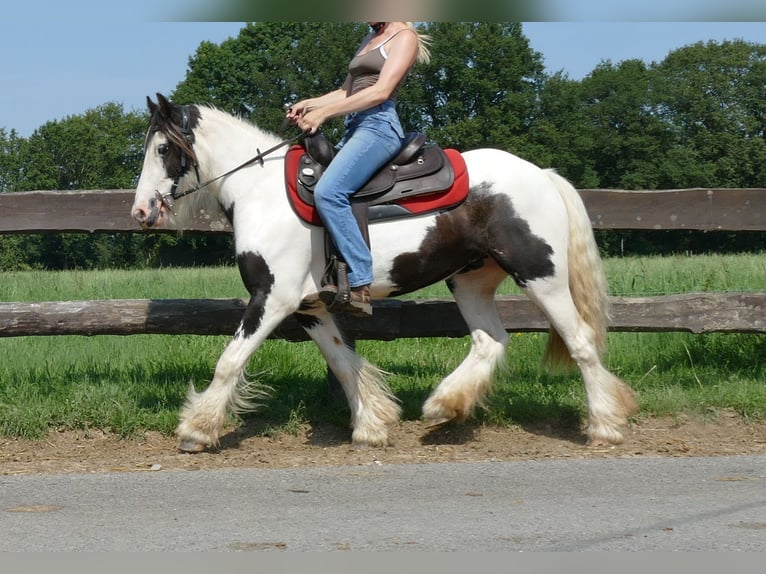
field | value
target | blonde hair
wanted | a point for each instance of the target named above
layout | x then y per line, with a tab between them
424	43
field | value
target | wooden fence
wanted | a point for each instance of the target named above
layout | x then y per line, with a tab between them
109	212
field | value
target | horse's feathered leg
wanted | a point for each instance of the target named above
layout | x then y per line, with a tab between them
471	381
610	400
373	406
575	301
204	413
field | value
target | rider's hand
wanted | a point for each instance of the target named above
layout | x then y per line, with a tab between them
295	111
311	121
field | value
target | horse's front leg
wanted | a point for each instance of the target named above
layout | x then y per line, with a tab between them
204	414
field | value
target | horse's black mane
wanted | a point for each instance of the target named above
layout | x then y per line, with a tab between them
169	118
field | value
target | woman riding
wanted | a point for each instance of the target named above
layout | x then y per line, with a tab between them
372	138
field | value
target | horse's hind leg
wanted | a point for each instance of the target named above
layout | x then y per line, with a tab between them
468	385
373	406
610	400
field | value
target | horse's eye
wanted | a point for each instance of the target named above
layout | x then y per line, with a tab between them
163	149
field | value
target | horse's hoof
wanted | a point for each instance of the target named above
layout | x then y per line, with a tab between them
431	423
188	445
369	438
602	441
598	443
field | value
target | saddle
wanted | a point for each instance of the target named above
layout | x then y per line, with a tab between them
422	178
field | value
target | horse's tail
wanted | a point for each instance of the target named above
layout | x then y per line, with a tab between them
587	282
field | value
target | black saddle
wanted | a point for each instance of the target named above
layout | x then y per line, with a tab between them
418	168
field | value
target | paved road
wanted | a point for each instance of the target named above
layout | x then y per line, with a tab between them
625	504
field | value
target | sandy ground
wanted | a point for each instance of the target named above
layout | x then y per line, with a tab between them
411	442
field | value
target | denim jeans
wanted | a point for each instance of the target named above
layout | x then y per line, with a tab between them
372	138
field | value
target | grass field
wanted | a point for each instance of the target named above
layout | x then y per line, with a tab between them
130	384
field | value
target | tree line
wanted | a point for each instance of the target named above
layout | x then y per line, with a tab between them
694	119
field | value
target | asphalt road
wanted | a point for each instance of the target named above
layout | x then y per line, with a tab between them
710	504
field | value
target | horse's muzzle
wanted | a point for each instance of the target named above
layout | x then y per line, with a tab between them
148	217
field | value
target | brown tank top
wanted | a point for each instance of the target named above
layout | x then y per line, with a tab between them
365	69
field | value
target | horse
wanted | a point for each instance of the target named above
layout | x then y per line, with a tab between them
518	220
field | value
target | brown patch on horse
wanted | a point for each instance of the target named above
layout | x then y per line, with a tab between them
484	226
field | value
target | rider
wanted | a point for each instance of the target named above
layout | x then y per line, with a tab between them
372	138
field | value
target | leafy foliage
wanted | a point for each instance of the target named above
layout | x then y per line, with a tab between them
714	98
270	65
480	87
102	149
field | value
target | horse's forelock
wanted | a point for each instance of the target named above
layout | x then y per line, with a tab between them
170	126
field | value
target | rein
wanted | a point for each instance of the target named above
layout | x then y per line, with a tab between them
168	199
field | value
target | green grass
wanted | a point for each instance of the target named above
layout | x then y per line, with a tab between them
131	384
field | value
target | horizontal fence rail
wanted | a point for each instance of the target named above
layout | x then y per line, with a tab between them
108	211
392	319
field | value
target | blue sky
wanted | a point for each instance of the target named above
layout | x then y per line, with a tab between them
61	58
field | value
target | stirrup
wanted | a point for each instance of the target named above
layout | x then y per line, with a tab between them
335	291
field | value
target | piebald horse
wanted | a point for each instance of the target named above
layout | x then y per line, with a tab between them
517	220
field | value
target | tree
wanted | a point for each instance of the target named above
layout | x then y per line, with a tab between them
12	150
268	65
695	119
479	89
560	136
101	149
713	97
629	141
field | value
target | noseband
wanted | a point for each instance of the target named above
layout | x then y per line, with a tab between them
168	199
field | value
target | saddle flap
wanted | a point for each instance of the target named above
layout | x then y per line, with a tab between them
428	162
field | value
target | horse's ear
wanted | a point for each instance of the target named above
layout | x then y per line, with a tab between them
151	105
164	105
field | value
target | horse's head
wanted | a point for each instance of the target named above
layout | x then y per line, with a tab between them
169	159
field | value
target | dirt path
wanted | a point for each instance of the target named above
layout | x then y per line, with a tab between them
412	442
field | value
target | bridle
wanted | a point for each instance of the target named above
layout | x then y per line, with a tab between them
168	199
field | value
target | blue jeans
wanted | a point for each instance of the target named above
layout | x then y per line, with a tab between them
372	138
